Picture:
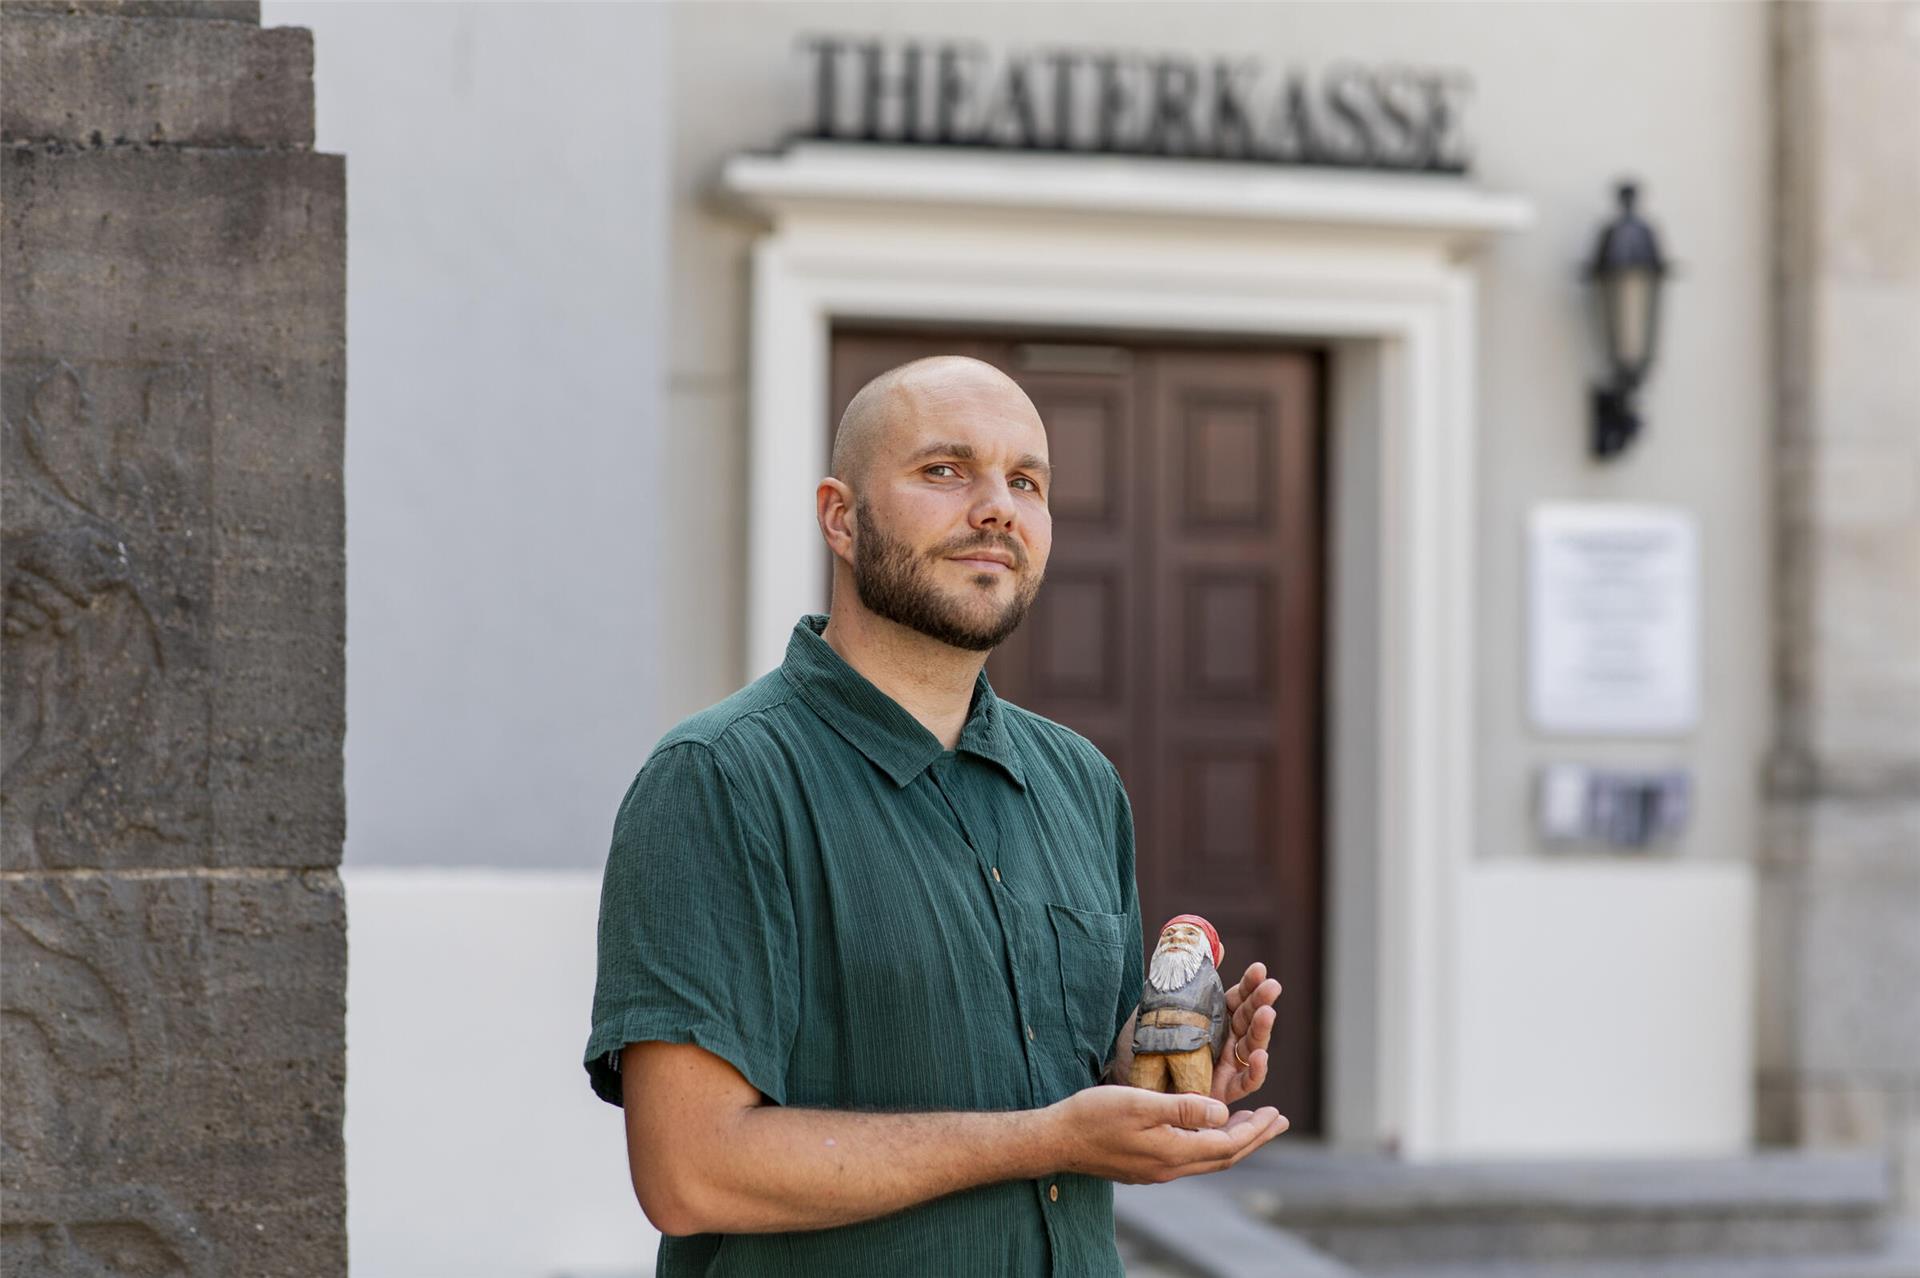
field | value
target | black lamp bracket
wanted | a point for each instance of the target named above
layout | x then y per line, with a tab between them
1615	420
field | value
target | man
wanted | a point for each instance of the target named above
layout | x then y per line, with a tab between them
869	936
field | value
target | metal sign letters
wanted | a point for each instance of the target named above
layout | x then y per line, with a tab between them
958	94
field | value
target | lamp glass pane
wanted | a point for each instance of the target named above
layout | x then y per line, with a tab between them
1630	307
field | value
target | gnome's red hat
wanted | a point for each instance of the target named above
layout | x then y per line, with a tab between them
1213	937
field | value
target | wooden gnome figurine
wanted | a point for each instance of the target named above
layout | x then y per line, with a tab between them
1181	1027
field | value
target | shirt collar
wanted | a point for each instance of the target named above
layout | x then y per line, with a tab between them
880	727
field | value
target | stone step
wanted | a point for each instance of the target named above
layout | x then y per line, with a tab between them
1898	1258
1374	1211
1188	1229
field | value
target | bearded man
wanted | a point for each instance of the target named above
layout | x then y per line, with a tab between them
869	936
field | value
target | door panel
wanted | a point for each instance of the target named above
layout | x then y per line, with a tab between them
1076	658
1237	558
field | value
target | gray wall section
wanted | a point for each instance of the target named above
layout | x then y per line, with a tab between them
505	297
1566	98
1840	897
172	365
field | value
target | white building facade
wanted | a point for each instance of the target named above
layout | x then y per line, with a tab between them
1483	992
604	298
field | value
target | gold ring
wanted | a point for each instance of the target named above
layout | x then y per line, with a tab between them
1236	1056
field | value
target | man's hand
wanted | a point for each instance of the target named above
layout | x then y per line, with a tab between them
1146	1138
1250	1015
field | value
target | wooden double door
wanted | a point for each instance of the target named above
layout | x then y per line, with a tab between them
1179	628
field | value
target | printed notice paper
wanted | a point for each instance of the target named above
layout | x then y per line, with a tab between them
1614	620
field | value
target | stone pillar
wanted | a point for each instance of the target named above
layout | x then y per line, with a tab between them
172	384
1840	941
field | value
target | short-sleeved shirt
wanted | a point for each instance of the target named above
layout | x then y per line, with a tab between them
803	882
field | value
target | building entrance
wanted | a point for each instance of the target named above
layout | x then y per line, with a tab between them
1180	628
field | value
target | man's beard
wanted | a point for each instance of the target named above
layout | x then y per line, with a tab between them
1173	966
893	583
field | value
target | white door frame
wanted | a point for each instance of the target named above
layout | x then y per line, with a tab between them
1372	266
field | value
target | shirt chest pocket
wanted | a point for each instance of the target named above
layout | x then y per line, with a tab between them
1092	956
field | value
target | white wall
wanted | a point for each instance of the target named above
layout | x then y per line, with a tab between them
505	322
474	1146
1603	1009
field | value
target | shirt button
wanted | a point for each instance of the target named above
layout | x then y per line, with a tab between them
996	874
1029	1033
1053	1193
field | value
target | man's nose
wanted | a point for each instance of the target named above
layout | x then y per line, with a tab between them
994	504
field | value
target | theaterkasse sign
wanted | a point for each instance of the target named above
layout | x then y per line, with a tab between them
961	94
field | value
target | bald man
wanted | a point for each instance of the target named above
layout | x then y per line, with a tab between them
869	938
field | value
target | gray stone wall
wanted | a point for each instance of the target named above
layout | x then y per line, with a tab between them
1840	923
172	374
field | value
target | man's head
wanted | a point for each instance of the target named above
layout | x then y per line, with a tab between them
1185	942
937	505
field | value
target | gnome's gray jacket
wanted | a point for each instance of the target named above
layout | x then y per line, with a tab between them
1202	993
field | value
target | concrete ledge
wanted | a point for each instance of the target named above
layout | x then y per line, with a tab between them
1900	1259
1373	1211
216	10
110	79
1300	1180
139	253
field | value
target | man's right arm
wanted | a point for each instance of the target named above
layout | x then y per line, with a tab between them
709	1154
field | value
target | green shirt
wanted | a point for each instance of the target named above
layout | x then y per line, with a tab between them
803	882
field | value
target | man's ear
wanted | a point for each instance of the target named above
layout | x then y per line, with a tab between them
833	505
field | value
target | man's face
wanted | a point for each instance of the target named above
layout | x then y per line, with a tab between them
952	529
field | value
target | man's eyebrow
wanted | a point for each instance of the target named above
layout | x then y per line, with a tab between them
1027	461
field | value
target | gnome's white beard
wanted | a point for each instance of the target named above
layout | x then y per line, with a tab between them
1173	966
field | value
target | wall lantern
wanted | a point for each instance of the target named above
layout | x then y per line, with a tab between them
1627	272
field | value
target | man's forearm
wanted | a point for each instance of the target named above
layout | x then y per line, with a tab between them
782	1168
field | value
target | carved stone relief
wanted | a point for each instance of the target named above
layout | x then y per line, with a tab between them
127	1003
124	1232
107	560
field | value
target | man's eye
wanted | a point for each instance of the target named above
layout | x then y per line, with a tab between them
1022	479
938	466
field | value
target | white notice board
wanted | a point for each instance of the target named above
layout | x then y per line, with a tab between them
1614	620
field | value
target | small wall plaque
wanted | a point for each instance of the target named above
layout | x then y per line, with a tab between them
1618	807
